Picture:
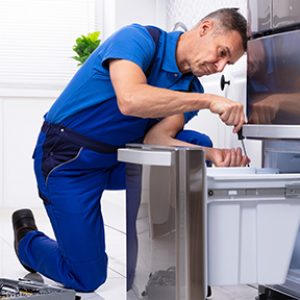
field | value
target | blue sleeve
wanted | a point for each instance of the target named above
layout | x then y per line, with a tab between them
197	87
132	43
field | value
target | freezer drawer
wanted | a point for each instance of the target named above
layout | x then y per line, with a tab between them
253	219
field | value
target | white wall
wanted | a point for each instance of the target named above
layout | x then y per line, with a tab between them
22	108
118	13
36	64
21	120
191	11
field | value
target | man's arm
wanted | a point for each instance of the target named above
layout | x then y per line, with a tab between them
164	133
136	98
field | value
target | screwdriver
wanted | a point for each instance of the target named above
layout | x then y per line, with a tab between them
241	138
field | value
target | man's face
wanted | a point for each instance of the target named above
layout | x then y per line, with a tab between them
214	50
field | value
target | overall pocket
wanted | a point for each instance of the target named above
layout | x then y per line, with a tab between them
57	151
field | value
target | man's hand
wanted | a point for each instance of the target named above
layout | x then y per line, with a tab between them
227	157
230	112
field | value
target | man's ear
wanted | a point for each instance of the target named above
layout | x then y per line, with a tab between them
205	26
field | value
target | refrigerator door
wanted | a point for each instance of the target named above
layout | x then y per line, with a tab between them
273	90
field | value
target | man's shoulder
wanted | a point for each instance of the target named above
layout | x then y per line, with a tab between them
138	29
127	36
136	34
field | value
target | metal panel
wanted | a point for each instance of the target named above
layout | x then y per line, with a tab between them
166	238
153	158
260	15
286	13
285	132
273	82
191	225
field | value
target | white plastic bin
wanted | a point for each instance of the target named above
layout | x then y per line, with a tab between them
253	218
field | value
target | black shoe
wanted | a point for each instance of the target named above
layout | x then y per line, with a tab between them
23	222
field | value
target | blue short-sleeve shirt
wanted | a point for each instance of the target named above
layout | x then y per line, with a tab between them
88	104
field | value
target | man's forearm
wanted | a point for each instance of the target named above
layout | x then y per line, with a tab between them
146	101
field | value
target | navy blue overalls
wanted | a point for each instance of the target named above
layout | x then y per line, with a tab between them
75	157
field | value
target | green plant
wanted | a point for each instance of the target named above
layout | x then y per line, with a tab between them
85	45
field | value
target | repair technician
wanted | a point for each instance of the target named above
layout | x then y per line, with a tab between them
140	85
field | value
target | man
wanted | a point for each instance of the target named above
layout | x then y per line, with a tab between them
139	85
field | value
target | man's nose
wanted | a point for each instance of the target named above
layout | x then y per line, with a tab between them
220	65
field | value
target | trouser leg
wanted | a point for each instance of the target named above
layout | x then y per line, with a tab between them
194	137
77	258
72	195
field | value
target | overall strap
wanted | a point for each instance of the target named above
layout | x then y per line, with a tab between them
155	33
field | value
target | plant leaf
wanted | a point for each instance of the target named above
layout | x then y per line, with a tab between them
85	45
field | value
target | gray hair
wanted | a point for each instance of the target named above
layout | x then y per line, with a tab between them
230	19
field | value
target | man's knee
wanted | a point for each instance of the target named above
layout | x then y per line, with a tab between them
88	285
89	276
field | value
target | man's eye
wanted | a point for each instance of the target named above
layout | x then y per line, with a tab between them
222	53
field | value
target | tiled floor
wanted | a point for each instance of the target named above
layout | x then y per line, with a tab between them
114	288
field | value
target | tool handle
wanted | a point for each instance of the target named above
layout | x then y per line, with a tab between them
240	134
